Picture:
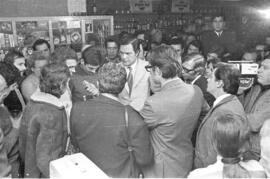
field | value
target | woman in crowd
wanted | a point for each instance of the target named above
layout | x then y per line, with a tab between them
230	137
43	131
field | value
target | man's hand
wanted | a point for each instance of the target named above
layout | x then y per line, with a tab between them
91	88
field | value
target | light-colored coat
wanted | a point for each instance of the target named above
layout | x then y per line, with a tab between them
140	88
171	116
205	153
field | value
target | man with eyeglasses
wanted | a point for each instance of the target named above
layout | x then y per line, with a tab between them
169	118
193	73
137	88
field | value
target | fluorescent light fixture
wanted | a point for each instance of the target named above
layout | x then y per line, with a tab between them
264	13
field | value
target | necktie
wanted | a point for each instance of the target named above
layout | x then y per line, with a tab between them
130	80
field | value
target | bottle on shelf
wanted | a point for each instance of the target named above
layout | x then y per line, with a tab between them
94	7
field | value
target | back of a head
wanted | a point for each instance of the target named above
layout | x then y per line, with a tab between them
92	55
230	77
61	54
230	134
156	36
37	56
53	79
176	41
112	78
165	58
9	73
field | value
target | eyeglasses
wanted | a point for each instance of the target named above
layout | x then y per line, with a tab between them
148	67
187	70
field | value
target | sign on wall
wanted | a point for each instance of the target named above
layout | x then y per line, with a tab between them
140	6
181	6
76	6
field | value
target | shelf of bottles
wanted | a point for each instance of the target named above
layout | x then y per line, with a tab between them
133	22
126	21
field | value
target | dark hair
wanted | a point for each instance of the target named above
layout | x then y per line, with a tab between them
37	56
112	78
165	58
219	15
230	133
177	41
92	55
111	39
195	43
13	54
230	77
131	39
138	32
53	78
10	73
61	54
40	42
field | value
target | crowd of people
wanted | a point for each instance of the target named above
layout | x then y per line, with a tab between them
146	108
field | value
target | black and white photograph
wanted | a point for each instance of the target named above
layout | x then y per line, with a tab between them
135	89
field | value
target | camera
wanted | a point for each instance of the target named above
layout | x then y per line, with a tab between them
248	71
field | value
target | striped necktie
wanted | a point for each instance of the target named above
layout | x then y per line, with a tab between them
130	80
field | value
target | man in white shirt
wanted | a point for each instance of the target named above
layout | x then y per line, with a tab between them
223	84
137	88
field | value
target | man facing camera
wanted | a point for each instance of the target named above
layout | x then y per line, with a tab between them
137	88
223	84
99	127
219	36
168	117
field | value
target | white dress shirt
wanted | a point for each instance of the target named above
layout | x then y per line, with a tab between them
220	98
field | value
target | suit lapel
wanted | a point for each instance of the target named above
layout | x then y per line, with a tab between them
140	72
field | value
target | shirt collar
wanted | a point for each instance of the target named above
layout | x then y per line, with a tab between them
220	98
195	79
219	33
133	67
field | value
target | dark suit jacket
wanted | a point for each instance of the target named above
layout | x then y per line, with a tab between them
202	83
171	115
205	153
227	40
98	130
76	86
